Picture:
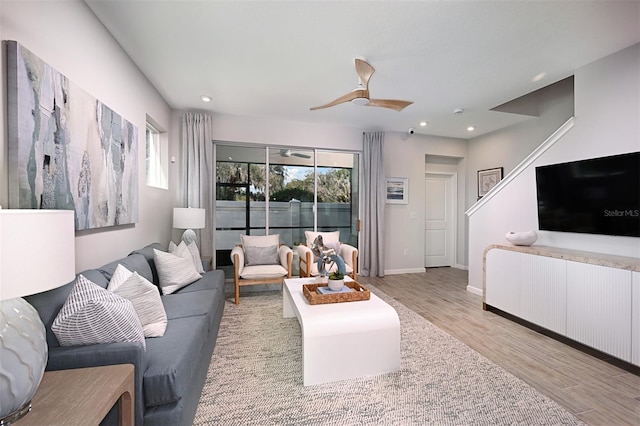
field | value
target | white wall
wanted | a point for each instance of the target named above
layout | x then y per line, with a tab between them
67	36
607	111
404	156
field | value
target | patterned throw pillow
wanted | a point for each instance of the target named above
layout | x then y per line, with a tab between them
145	298
261	255
174	271
92	315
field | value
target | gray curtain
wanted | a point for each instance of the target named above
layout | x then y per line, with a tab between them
198	172
371	253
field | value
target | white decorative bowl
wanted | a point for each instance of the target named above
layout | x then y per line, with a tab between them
522	238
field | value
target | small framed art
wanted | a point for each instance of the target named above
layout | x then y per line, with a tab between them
397	190
487	179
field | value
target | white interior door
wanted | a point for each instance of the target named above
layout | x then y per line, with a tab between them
439	220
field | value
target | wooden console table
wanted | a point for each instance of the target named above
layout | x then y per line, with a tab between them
83	396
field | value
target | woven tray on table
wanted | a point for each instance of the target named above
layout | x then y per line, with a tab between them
310	291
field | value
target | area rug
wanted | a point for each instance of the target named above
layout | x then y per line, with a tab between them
255	378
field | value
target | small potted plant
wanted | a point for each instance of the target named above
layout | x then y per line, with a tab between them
336	280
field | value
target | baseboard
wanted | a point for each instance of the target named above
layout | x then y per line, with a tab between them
463	267
404	271
474	290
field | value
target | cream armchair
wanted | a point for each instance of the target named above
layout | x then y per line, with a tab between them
348	253
260	260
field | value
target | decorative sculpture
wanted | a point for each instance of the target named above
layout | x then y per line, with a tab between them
326	257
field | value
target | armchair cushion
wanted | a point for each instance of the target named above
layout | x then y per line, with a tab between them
260	240
327	237
263	271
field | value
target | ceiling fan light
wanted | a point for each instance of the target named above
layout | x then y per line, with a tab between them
360	101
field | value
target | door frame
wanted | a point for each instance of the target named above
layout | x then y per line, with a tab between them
453	216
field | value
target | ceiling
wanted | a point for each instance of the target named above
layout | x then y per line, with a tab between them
279	58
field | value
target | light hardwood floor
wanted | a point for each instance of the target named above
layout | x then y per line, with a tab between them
595	391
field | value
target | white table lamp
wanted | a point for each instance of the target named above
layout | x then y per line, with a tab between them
37	253
188	219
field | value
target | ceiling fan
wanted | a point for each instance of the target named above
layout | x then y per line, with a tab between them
360	95
289	153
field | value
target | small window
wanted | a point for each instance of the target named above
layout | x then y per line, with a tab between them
156	161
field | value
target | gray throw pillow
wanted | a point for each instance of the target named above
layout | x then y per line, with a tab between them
175	271
261	255
92	315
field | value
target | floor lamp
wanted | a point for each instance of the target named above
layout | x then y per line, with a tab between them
37	253
188	219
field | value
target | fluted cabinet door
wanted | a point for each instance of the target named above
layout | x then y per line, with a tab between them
502	275
543	293
635	319
599	308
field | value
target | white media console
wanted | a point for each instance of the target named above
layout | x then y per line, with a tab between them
591	298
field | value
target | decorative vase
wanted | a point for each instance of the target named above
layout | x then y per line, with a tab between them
336	285
522	238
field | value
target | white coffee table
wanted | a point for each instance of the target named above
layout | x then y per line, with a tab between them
343	340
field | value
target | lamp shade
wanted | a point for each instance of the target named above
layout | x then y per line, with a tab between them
188	218
37	251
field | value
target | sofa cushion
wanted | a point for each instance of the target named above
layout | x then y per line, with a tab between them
211	280
147	252
48	304
92	314
134	263
184	305
171	360
145	299
174	271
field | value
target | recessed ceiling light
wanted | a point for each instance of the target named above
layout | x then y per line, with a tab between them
423	124
205	98
471	128
539	77
458	111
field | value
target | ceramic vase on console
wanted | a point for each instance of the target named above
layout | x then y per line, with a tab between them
522	238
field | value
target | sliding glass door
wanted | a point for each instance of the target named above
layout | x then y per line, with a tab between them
283	191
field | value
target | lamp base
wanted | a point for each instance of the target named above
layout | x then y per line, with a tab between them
189	236
16	415
23	357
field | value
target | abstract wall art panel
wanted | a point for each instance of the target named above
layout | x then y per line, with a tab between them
67	150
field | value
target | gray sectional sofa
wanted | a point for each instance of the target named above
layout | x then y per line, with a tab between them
170	373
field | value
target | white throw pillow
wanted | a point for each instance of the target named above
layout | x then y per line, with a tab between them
195	254
174	271
120	275
327	237
146	301
92	315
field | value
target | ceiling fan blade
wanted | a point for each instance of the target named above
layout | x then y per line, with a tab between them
389	103
342	99
365	71
297	154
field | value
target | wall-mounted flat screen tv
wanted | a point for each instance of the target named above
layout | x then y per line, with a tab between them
594	196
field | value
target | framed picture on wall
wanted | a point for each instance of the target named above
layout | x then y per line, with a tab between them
487	179
397	190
